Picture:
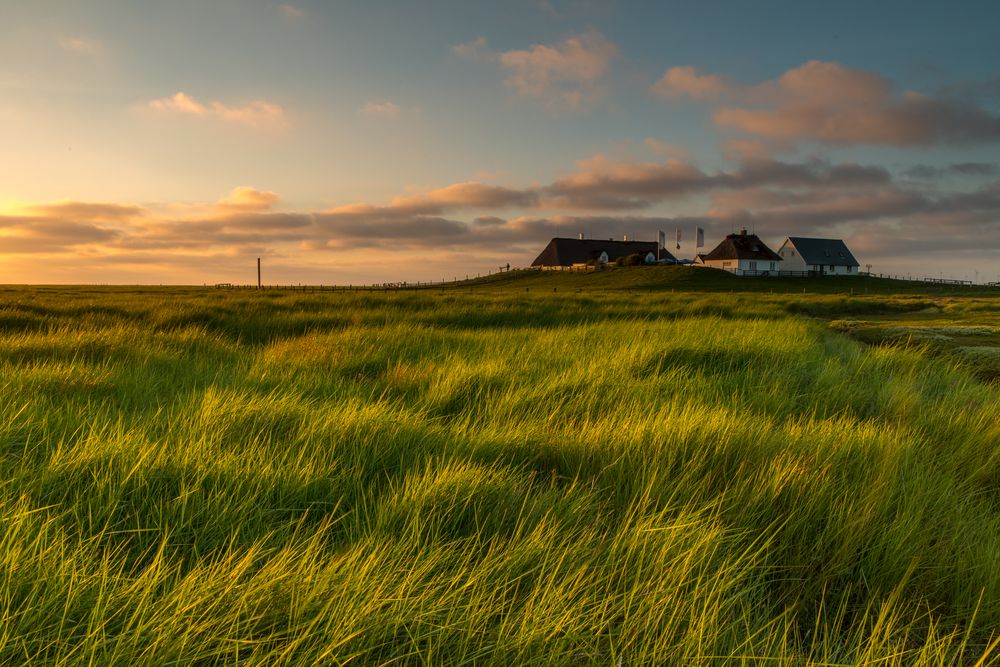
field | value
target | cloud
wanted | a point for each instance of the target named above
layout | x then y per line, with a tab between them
746	149
258	114
476	50
416	219
374	229
468	195
246	198
871	217
828	103
603	184
291	11
231	232
686	81
41	229
808	213
80	45
386	109
88	211
929	172
665	149
600	197
568	75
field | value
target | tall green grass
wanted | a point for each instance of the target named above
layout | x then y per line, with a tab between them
261	479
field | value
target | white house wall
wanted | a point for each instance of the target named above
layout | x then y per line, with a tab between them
831	270
739	267
841	270
756	265
791	260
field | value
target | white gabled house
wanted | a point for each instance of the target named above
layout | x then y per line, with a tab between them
829	257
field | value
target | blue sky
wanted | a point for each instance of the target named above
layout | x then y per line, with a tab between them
165	141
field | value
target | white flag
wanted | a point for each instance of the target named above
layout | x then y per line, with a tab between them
700	238
662	238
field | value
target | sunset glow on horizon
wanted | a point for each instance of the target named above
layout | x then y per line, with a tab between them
174	143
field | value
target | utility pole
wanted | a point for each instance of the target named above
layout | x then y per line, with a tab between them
258	273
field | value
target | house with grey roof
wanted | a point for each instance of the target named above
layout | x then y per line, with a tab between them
743	254
829	257
563	253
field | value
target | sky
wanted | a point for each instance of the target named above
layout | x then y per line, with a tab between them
350	142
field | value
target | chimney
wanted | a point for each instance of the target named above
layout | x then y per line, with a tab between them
743	232
581	236
625	237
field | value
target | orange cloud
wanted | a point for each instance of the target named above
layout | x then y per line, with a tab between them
63	226
775	197
567	75
258	114
468	195
88	211
829	103
687	82
245	198
603	184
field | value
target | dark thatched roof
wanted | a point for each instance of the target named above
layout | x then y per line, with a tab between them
823	251
742	246
566	252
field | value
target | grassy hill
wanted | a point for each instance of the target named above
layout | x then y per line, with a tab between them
693	279
619	476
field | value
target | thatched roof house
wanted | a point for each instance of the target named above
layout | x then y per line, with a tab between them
563	252
742	254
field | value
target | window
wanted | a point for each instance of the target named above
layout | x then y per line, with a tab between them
772	266
832	267
753	265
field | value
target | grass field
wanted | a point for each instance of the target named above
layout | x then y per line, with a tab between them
628	477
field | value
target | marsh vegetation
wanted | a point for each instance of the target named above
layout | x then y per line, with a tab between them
211	477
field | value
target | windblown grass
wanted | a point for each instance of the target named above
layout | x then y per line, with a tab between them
233	478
